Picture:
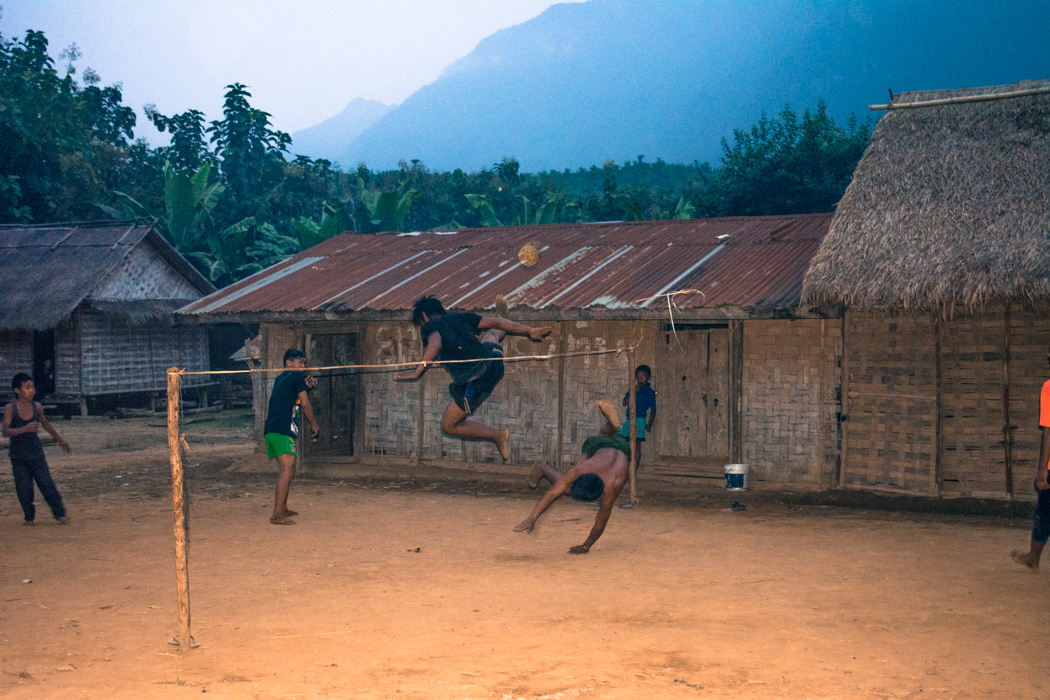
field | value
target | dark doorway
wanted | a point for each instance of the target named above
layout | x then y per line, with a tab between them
335	397
45	372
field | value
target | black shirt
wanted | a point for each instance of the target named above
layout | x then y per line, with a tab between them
282	416
459	341
26	445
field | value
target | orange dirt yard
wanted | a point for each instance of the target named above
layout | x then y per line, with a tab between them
393	590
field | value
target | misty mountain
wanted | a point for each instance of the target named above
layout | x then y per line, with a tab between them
669	79
331	138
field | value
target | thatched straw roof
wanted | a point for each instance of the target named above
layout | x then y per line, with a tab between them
949	208
48	270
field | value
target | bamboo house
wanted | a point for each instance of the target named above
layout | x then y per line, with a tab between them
97	300
939	252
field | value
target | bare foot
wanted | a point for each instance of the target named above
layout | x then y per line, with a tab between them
536	474
502	307
281	520
63	520
28	523
290	513
1022	558
502	444
608	410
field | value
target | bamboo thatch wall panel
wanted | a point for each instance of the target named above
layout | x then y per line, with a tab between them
67	357
891	432
144	274
973	353
1029	341
16	355
119	356
790	379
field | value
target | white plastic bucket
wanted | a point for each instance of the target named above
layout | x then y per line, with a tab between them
737	477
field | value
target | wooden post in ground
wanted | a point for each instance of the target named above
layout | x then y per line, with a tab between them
178	497
632	425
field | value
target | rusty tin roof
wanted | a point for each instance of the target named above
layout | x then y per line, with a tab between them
744	262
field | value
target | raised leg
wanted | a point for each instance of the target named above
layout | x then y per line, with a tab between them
454	422
540	471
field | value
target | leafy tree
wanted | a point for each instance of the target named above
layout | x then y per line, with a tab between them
787	166
61	143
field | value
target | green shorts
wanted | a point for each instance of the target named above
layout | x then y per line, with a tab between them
278	444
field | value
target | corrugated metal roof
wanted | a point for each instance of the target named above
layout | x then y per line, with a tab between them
748	262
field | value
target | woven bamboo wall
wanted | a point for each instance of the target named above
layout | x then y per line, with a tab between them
1029	340
973	357
67	357
144	274
119	356
890	436
16	355
790	406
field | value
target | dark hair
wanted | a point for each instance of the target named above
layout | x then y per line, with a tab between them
643	368
588	487
431	306
19	379
293	354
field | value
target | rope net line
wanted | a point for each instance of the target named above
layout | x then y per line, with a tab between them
396	365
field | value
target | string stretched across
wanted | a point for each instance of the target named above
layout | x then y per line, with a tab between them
396	365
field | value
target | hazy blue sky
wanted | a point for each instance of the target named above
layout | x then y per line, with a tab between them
303	60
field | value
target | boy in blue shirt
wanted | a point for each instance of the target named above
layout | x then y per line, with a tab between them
644	410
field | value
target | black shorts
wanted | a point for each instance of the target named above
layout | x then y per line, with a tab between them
471	395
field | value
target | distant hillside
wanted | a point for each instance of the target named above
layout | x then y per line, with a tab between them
615	79
330	138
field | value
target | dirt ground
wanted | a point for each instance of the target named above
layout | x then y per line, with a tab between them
386	590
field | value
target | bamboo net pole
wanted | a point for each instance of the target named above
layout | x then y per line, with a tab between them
632	425
178	497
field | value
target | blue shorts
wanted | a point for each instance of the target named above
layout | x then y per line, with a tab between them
471	395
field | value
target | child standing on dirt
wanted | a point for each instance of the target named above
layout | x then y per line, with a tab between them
644	410
22	419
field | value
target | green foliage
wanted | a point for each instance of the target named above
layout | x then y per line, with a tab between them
787	166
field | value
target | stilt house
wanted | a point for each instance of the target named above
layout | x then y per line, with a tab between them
940	253
97	300
742	372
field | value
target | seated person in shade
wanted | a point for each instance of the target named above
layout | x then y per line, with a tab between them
600	477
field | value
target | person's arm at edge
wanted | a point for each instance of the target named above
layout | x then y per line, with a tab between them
308	411
605	506
508	326
46	425
8	431
433	347
554	493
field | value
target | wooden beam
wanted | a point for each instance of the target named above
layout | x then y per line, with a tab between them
178	497
632	426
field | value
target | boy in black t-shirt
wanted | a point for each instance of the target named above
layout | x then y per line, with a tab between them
287	399
448	336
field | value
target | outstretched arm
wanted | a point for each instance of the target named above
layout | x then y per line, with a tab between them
508	326
550	497
605	506
308	411
46	425
433	347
